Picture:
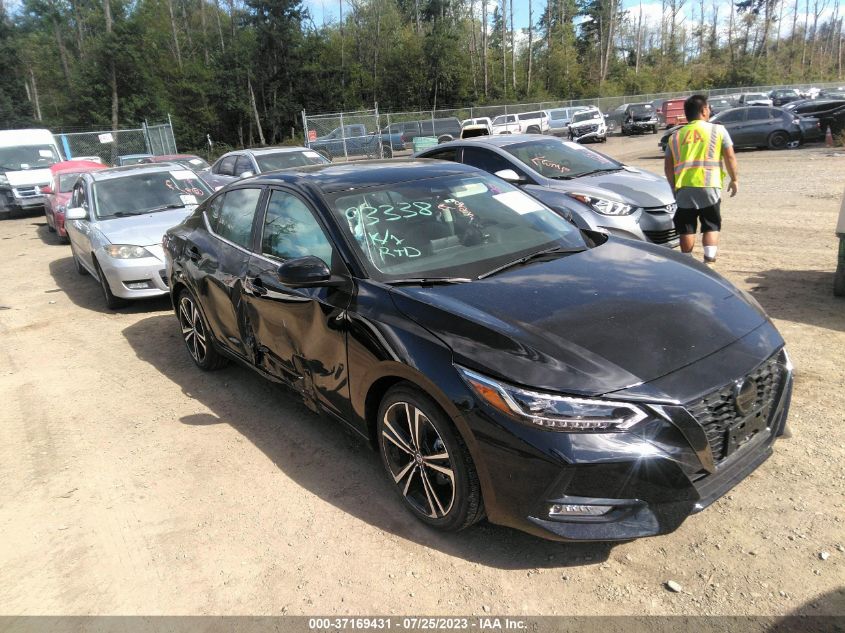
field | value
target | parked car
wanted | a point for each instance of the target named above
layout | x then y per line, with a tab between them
25	160
485	121
507	124
832	93
829	112
783	96
501	362
717	104
57	193
476	127
115	221
761	127
671	113
588	125
132	159
615	117
534	122
595	191
560	118
439	128
244	163
639	118
188	161
754	98
354	140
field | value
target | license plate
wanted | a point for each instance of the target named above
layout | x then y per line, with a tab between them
742	432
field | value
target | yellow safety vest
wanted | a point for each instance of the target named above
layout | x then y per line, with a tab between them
697	154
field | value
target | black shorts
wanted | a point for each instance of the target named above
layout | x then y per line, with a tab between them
687	219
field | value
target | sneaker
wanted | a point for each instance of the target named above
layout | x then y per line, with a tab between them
709	260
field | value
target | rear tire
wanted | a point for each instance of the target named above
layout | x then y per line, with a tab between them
112	302
196	334
839	281
778	140
427	460
80	269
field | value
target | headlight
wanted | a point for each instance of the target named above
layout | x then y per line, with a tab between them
554	412
603	205
124	251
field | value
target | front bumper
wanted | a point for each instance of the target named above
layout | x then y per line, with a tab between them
653	477
641	126
126	276
589	136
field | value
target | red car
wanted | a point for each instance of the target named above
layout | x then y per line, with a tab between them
59	191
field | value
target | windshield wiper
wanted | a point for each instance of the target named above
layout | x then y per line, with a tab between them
123	214
593	172
527	258
165	207
428	281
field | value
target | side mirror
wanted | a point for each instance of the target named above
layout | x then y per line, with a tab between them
246	174
510	175
46	189
305	272
76	213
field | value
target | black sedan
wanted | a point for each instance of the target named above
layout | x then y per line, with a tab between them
567	383
761	127
829	112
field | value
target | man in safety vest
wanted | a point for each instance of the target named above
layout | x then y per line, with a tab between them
693	165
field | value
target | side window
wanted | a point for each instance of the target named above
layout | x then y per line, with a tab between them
486	160
226	167
243	164
234	221
212	211
290	230
759	114
732	116
445	154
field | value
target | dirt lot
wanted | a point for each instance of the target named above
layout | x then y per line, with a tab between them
132	483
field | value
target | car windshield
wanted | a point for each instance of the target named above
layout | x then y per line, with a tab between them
446	227
192	163
24	157
554	158
284	160
642	109
134	194
753	96
586	116
67	181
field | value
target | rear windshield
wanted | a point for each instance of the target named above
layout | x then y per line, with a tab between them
642	109
147	192
66	182
285	160
27	157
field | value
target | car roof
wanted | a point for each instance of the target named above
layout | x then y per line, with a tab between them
129	170
497	140
75	166
332	178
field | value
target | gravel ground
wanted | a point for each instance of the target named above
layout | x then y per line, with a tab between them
135	484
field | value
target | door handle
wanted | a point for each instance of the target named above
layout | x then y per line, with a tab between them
255	286
194	254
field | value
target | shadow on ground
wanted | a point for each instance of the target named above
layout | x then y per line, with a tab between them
800	296
329	461
85	291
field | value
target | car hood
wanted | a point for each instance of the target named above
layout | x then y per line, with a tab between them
578	124
589	323
631	185
142	230
28	177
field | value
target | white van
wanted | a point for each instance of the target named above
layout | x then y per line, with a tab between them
25	159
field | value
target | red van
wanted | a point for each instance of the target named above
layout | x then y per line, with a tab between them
672	112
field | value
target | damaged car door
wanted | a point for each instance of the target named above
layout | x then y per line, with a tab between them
297	330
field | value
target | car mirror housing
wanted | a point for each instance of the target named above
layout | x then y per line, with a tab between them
247	174
306	272
76	213
510	175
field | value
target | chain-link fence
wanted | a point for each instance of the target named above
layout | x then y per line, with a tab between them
108	145
370	134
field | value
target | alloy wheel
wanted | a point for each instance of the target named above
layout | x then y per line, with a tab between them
193	330
418	460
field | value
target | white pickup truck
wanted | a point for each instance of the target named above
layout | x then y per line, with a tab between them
507	124
25	159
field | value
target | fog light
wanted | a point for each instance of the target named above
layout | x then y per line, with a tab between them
144	284
568	510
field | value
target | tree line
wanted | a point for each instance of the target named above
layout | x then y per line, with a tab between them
243	70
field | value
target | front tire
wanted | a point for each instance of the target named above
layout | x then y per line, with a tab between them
427	460
112	302
80	269
196	335
778	140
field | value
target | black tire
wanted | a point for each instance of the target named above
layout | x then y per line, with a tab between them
533	129
654	129
434	474
63	239
5	215
112	302
445	138
778	140
80	269
839	281
196	335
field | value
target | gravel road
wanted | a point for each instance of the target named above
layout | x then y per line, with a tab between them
135	484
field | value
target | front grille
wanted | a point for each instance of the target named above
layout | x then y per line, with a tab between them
26	192
661	237
716	412
586	129
669	208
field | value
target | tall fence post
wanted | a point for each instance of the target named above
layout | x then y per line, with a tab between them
146	131
343	138
305	128
172	135
378	134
